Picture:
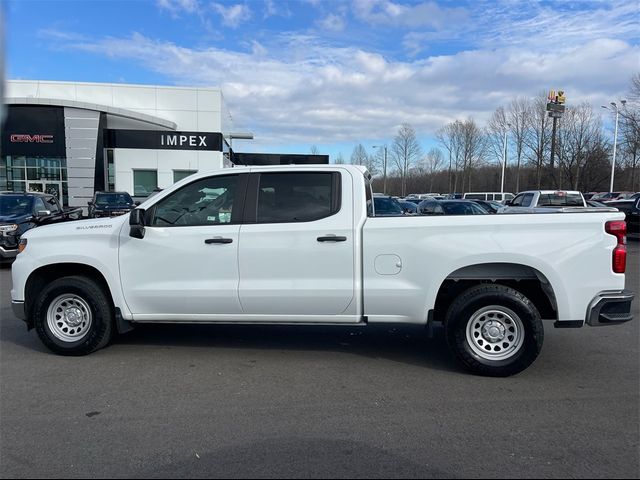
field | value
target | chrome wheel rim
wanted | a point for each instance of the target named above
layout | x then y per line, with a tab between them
69	318
495	333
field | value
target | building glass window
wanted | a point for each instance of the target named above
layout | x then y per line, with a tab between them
111	172
19	173
144	182
181	174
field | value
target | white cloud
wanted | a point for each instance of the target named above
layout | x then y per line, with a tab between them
176	6
426	14
332	23
233	15
298	90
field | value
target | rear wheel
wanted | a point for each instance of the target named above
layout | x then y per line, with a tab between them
494	330
73	316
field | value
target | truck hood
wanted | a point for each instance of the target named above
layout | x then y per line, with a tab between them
14	218
91	227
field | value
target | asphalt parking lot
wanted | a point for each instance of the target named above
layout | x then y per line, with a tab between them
220	401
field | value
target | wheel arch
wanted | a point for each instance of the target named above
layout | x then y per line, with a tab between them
528	280
47	273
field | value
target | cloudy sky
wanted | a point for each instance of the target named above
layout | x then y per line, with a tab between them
335	73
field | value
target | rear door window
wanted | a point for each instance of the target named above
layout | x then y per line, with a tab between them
297	196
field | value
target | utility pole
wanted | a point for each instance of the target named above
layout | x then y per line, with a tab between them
555	107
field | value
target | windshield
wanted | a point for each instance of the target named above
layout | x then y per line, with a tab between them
11	205
105	199
386	206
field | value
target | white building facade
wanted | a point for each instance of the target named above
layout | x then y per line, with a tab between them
73	139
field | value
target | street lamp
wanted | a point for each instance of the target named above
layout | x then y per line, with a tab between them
615	138
384	168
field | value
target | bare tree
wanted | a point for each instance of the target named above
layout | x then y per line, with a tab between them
539	138
473	149
433	162
405	151
314	150
359	155
579	131
630	132
339	159
497	134
518	117
450	137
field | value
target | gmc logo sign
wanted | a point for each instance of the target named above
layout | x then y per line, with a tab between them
180	140
22	138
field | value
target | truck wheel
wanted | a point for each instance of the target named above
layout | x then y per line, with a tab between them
494	330
73	316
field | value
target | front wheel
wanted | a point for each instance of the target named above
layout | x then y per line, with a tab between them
494	330
73	316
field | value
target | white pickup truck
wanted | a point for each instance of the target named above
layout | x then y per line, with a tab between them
302	245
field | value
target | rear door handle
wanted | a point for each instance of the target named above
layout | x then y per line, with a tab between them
332	238
218	240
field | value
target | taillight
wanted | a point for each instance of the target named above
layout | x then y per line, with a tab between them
619	230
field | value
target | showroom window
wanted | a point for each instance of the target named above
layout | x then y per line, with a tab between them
20	173
144	182
182	174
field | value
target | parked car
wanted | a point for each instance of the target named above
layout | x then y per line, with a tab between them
631	209
547	198
110	204
408	207
590	195
295	245
20	212
595	204
607	196
491	206
497	196
385	206
450	207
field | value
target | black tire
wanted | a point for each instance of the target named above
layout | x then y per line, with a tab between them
101	328
471	304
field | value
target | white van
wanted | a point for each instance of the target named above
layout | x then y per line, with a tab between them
497	196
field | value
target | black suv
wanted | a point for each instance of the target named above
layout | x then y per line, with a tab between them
21	211
110	204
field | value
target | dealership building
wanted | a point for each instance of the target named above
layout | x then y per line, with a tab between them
73	139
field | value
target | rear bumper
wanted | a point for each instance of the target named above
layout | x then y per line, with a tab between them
610	308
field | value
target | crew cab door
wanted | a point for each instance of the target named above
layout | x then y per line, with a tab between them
297	246
186	266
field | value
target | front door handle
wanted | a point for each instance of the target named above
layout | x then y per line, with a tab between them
332	238
218	240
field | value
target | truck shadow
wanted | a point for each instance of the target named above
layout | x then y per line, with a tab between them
406	343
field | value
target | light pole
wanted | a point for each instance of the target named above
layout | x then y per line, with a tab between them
504	161
615	139
384	169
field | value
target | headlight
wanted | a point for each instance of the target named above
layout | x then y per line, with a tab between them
8	228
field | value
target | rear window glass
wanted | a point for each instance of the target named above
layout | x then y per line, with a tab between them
475	196
560	200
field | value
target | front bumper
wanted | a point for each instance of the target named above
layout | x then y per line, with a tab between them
610	308
7	253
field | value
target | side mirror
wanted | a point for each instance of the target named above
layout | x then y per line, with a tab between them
507	202
136	204
136	223
90	204
43	213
